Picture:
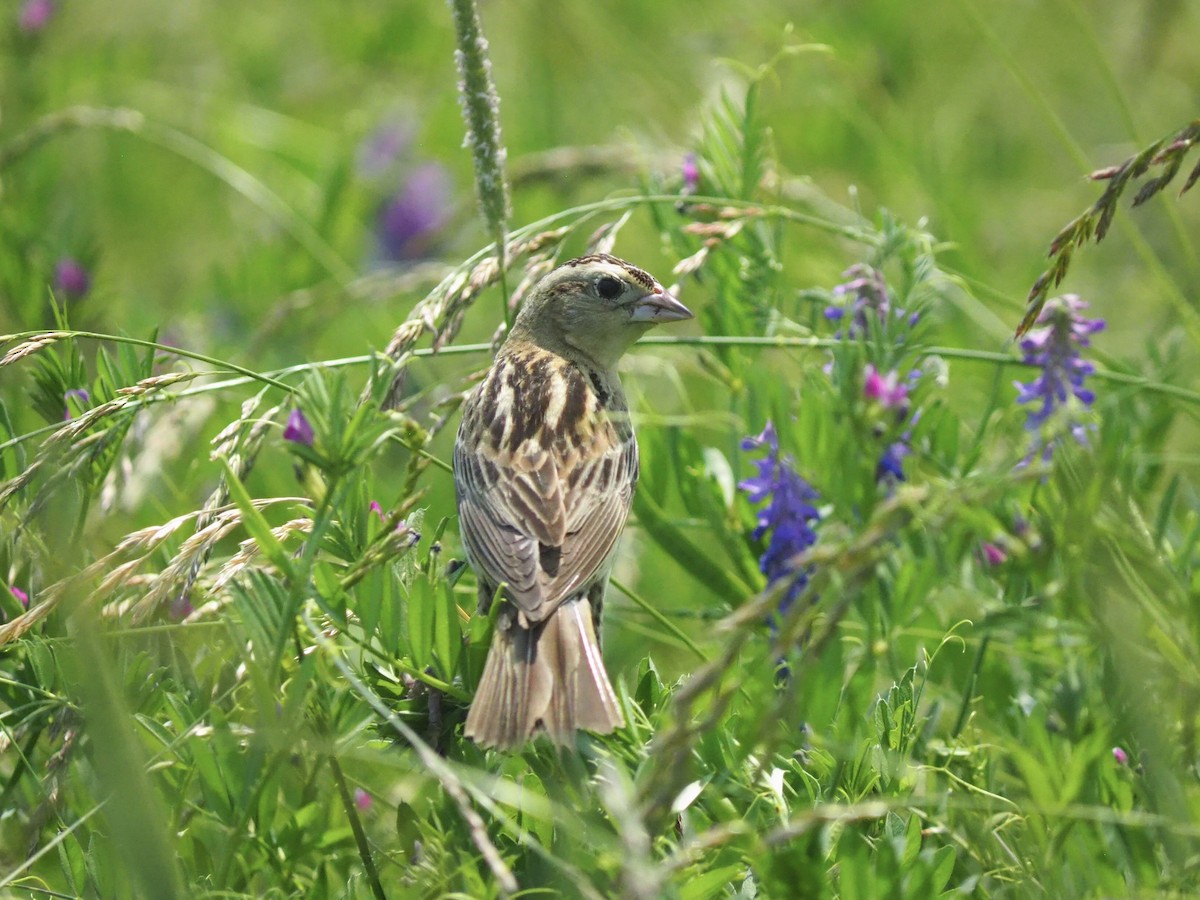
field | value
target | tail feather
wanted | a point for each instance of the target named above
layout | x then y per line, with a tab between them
549	676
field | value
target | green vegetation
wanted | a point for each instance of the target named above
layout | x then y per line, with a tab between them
884	624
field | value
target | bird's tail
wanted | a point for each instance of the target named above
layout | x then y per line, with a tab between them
549	676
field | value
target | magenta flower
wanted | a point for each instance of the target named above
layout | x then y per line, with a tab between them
1120	756
35	15
20	595
362	800
691	174
71	279
298	429
888	390
993	554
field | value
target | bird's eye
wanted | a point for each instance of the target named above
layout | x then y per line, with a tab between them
608	288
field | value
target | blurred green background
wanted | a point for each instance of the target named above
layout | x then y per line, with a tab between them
983	118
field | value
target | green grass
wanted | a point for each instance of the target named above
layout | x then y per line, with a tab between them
245	663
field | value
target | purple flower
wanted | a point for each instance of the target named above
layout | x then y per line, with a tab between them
409	222
864	296
1055	349
79	394
1120	756
377	509
787	515
362	800
20	595
864	308
886	389
35	15
71	279
298	429
691	174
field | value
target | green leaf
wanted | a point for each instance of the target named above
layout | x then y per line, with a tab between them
392	609
912	842
712	883
854	866
943	867
447	631
420	607
369	599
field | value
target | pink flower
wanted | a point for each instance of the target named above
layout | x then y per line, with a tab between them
362	800
20	595
993	554
691	174
1120	756
35	15
886	389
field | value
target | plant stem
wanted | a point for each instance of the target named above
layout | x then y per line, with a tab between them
360	836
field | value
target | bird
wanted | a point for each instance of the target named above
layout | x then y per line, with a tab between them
545	466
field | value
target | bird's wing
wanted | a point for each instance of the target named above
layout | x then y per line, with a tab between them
545	472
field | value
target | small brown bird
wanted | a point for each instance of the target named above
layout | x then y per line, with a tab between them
544	467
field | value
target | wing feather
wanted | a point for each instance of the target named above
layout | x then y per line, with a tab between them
545	466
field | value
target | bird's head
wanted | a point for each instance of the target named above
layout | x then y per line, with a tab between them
596	305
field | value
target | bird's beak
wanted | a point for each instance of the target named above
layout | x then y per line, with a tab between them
659	307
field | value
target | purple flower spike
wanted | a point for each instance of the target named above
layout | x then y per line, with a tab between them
787	515
298	429
35	15
411	220
71	279
1055	348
